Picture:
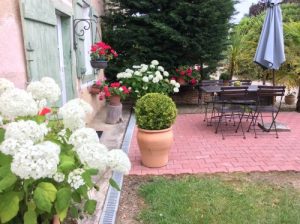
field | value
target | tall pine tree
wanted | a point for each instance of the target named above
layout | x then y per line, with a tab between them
174	32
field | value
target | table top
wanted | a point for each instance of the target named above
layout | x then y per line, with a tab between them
217	89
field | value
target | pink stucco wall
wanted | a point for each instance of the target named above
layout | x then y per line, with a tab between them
12	58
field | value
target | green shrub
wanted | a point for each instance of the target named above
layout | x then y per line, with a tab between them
155	111
224	76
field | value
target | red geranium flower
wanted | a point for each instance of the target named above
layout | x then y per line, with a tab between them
45	111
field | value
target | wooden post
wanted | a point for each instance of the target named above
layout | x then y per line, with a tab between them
114	114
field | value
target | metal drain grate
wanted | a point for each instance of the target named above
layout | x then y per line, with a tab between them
113	196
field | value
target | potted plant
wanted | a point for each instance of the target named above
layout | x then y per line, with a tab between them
187	75
143	79
225	77
95	89
155	113
114	92
46	167
100	54
290	98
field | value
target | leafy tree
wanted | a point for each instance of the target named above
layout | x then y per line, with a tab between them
174	32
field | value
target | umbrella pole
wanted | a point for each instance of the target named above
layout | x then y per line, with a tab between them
273	74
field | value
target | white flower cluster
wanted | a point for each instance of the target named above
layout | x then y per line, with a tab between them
75	179
118	161
93	155
83	136
58	177
46	89
17	102
36	161
5	85
74	113
176	85
12	146
26	130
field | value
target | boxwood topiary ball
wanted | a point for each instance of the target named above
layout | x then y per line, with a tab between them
155	111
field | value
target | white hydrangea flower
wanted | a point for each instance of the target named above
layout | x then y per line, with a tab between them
157	73
166	74
154	62
5	85
75	179
46	89
26	130
52	90
17	102
152	66
177	85
58	177
94	155
159	77
136	66
12	146
137	73
155	80
129	71
74	113
36	161
83	136
144	68
160	68
145	79
119	161
121	89
150	77
173	82
176	90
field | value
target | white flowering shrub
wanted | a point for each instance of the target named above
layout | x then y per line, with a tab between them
46	167
143	79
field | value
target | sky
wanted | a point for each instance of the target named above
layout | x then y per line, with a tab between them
242	8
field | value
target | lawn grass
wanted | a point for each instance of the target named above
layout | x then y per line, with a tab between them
195	200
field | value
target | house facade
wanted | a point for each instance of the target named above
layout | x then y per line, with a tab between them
51	38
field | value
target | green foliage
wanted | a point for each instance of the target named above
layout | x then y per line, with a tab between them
174	32
90	206
225	76
225	200
44	195
9	206
155	111
63	200
113	183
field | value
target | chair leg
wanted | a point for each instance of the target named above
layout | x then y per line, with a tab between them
274	122
255	122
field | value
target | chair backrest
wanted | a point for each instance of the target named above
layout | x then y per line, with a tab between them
243	82
211	83
233	92
271	92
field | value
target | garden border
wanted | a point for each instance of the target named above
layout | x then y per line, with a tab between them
111	204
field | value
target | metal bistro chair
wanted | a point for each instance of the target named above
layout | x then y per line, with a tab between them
207	102
243	82
228	106
260	108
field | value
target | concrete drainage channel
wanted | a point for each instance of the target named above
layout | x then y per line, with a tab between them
111	204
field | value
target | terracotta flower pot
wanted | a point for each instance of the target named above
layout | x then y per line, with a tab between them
94	90
114	100
290	99
55	220
155	146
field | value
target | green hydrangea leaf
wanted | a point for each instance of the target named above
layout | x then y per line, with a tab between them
63	199
44	195
90	206
9	206
67	163
30	217
7	181
5	159
49	189
113	183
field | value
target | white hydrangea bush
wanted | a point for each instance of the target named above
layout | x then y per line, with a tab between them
51	162
143	79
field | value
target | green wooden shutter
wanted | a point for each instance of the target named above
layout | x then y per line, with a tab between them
40	39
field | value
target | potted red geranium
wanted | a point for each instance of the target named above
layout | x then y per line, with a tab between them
100	54
187	75
114	92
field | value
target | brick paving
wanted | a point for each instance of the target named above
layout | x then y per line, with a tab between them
197	149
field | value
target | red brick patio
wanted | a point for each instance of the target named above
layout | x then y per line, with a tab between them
197	149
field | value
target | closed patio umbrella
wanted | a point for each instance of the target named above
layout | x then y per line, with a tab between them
270	49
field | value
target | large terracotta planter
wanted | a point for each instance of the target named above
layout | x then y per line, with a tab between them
155	146
290	99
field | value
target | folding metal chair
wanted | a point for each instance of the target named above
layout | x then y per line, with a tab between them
260	108
228	106
207	102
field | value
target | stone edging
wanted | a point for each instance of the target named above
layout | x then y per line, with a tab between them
111	204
